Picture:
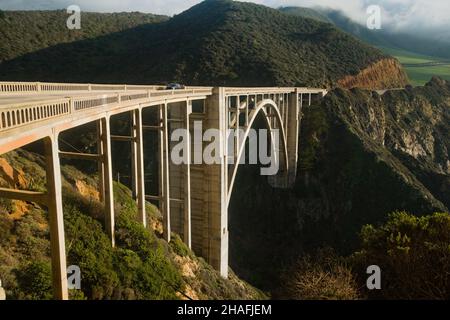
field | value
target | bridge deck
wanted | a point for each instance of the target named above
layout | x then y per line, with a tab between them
29	110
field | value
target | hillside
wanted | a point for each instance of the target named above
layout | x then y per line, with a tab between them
217	42
362	156
412	51
141	266
23	32
306	13
421	68
378	38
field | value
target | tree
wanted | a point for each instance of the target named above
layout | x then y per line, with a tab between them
413	254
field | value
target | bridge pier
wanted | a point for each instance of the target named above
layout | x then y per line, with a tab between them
105	141
293	123
100	163
291	112
215	191
56	218
164	178
179	173
138	174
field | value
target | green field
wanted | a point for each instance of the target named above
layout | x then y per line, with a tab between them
419	75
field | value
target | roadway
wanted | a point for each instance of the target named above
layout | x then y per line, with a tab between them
6	100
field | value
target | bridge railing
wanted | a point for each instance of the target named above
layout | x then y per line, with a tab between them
36	87
189	91
17	115
274	90
252	91
22	114
8	87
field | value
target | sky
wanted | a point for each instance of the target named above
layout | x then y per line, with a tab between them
414	16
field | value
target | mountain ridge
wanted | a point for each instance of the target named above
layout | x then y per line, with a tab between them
23	32
378	38
216	42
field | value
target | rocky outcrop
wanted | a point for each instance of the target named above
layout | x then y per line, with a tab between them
87	190
383	74
12	177
362	156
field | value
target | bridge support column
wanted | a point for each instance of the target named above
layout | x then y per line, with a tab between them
286	178
293	130
138	174
164	183
101	169
215	190
180	176
187	232
107	177
56	219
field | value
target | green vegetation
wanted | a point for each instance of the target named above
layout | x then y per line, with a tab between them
218	42
378	38
413	254
408	57
419	75
407	49
23	32
35	280
306	13
141	266
314	127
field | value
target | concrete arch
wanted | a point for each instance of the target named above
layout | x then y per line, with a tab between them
261	107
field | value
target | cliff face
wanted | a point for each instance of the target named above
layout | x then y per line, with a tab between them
383	74
362	156
409	129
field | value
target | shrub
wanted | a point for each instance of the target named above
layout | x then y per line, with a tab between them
322	277
138	268
90	248
155	275
413	254
35	281
178	246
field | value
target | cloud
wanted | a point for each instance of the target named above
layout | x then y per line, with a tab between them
416	16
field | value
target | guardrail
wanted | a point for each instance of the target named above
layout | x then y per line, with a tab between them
17	115
253	91
26	113
274	90
36	87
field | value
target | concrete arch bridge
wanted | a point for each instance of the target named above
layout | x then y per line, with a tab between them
192	197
